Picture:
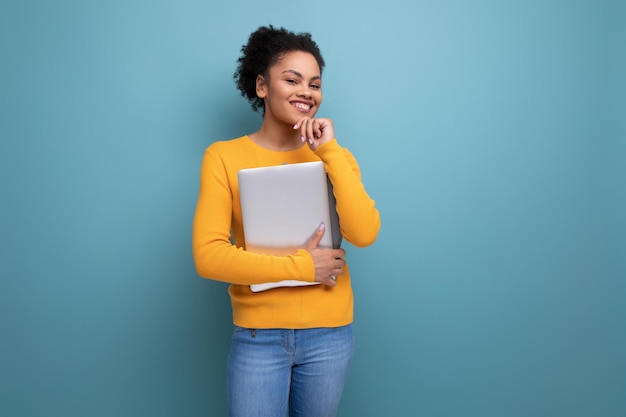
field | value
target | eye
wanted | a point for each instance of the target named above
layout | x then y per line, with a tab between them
291	81
316	86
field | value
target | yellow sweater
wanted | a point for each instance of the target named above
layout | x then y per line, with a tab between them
218	243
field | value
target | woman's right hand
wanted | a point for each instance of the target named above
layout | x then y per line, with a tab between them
328	263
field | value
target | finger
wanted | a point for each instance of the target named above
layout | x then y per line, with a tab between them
301	125
308	130
318	126
314	241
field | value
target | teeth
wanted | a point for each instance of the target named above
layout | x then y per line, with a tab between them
302	106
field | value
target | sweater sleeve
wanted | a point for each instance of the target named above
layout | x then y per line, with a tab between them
215	255
359	220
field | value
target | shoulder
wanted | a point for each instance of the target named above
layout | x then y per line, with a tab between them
228	156
225	147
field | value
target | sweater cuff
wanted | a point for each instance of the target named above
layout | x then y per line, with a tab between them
305	261
329	147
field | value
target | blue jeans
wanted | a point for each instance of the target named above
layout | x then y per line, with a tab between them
271	371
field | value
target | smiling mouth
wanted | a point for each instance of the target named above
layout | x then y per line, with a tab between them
302	106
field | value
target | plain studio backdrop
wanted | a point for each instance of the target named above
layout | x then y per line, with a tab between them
490	133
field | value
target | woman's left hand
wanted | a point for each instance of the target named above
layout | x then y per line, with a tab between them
315	132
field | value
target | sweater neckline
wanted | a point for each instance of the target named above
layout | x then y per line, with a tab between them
272	151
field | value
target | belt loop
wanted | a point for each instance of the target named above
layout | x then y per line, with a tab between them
253	331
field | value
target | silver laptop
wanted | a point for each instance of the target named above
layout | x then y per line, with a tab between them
281	208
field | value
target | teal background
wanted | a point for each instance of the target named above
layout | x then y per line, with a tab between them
492	135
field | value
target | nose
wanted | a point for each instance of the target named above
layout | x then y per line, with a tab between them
305	92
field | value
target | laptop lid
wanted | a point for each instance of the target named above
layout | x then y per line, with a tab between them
281	208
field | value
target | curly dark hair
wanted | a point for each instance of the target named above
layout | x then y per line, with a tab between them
265	47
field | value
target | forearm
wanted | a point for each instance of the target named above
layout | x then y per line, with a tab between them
222	261
358	217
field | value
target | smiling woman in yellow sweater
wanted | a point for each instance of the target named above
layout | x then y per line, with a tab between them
292	346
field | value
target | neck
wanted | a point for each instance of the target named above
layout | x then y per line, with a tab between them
277	137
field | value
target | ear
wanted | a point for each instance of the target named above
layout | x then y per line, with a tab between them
261	86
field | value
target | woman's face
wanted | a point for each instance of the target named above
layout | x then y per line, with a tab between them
294	88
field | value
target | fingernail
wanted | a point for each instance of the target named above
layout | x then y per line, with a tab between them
302	138
311	141
295	126
322	226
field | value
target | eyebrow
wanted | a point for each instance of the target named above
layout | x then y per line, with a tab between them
317	77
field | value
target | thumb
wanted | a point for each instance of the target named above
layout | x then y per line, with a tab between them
314	241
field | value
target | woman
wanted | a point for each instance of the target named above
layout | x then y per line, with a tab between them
291	346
